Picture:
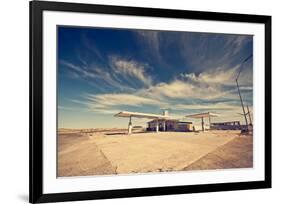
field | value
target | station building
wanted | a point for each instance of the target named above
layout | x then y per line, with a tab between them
169	125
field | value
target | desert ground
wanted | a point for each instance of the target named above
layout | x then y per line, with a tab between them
107	152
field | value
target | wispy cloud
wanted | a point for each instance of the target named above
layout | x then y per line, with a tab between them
208	107
111	103
208	52
73	109
218	76
181	89
91	45
236	43
188	87
120	73
95	74
150	40
122	99
131	69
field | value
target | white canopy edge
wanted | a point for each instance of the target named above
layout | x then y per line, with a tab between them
202	115
128	114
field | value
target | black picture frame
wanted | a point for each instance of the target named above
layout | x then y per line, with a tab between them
36	104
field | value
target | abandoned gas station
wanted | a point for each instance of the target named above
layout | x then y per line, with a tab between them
165	123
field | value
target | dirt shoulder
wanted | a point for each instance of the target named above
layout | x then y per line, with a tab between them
81	157
238	153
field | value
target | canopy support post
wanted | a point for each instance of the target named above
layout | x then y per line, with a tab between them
157	126
210	122
130	126
202	122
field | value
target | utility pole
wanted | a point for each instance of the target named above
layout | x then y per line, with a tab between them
250	118
243	108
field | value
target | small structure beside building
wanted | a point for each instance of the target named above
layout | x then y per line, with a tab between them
232	125
184	126
169	125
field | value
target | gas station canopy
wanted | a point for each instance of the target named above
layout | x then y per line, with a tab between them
127	114
130	115
202	115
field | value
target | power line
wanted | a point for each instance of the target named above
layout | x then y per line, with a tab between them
240	68
242	104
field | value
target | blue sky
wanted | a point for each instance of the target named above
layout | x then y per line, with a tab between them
102	71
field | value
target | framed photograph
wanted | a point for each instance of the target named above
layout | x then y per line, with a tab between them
128	102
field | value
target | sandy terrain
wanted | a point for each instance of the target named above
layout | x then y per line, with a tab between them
108	152
237	153
81	157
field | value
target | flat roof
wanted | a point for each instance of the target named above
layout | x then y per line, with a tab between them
166	119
